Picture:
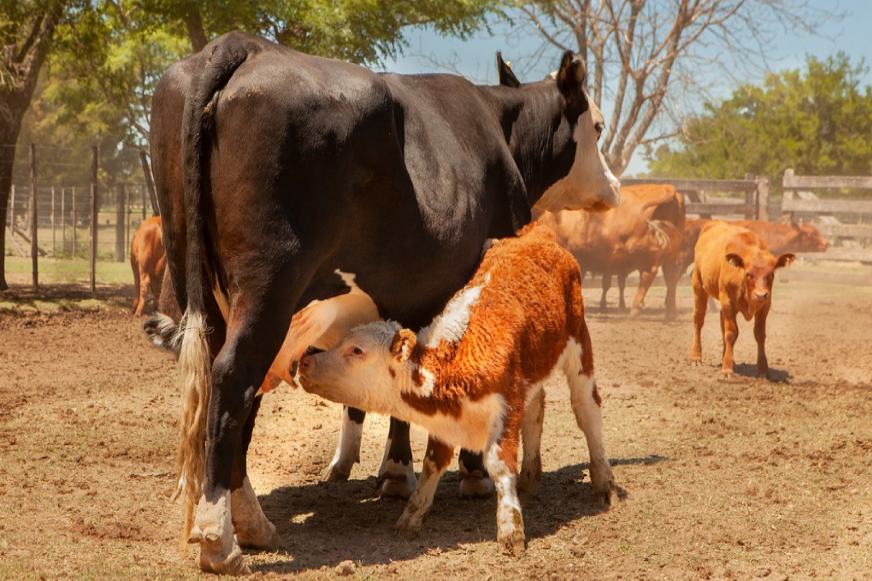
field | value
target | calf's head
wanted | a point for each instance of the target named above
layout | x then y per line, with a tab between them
368	369
759	274
589	184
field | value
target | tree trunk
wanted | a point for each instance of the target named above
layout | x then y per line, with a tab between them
25	62
196	32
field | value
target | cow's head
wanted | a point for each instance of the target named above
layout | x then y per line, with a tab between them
589	184
811	239
367	369
759	274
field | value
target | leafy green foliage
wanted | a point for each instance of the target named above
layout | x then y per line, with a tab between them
817	121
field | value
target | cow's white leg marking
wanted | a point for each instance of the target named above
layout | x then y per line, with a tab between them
510	522
531	436
347	449
252	528
588	415
473	483
213	530
397	479
419	504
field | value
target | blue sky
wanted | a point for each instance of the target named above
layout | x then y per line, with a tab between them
474	58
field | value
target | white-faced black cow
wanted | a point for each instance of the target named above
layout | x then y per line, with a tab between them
290	169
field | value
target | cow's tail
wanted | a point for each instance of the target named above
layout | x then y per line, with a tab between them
221	59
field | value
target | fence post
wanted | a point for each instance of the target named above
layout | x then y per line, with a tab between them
763	198
149	184
34	248
63	220
73	222
94	220
787	194
127	221
53	254
119	223
751	199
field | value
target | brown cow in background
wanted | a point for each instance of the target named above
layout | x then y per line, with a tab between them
643	233
148	261
792	237
734	265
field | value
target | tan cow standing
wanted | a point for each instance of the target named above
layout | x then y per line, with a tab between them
474	377
148	261
643	233
734	266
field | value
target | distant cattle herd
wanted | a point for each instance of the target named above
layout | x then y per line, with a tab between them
368	237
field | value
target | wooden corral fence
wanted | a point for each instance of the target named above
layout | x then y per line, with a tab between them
700	201
847	223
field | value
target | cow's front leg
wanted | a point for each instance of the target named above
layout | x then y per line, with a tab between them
348	448
253	530
474	479
501	460
700	304
396	475
760	336
622	285
606	284
730	332
436	461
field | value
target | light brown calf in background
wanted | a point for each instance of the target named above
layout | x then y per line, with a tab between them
148	261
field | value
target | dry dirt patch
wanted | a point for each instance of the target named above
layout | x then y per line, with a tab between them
739	479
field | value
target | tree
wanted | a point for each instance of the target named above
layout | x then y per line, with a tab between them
646	57
817	121
26	32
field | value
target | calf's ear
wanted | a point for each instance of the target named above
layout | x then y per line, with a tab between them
403	344
784	260
735	260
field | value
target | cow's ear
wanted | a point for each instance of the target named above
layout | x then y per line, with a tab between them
735	260
403	344
784	260
507	77
570	76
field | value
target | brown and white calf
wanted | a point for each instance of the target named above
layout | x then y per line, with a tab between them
734	265
474	377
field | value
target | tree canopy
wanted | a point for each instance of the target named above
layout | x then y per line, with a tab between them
817	121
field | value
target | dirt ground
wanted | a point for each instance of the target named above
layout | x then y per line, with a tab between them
739	479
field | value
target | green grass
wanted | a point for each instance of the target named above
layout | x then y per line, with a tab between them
58	270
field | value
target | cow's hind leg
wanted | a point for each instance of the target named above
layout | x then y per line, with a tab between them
622	284
531	437
646	278
237	373
587	406
501	460
397	473
474	479
436	461
135	265
348	448
251	527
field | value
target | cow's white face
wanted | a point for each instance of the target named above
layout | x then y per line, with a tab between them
361	370
590	184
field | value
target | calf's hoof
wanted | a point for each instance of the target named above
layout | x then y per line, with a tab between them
635	312
696	361
408	525
475	485
512	541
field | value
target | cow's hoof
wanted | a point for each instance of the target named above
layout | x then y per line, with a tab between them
696	362
634	312
474	485
727	374
215	557
397	486
266	539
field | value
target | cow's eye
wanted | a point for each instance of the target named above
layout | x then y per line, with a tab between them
600	127
356	351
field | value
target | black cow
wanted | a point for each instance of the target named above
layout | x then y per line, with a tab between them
285	179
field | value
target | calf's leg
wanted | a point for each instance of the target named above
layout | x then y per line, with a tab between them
135	266
671	275
436	461
700	304
622	285
646	278
760	336
586	404
531	437
731	332
607	284
501	460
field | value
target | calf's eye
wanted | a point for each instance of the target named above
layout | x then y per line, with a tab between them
357	351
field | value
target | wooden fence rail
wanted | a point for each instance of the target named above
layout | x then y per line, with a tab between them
699	200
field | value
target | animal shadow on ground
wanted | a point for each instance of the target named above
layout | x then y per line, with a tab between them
324	524
774	376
